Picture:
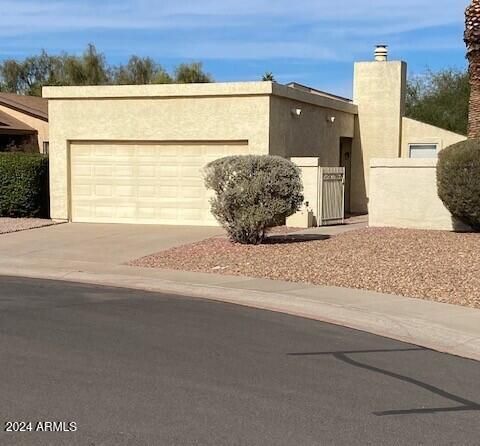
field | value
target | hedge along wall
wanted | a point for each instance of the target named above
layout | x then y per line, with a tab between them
23	185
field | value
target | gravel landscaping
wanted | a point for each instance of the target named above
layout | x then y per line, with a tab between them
434	265
22	224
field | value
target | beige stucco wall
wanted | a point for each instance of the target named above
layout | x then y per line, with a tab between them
150	113
403	194
415	132
309	169
256	112
311	139
379	93
312	134
38	124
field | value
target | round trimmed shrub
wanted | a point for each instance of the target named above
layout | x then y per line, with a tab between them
253	193
458	181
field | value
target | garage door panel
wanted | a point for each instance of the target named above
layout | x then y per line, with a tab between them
147	191
124	170
143	183
81	170
168	192
191	192
167	171
103	190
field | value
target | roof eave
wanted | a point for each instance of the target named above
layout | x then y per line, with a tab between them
24	109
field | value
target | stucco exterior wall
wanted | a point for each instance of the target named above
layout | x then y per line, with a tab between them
415	132
312	134
38	124
309	168
148	113
403	194
379	93
309	140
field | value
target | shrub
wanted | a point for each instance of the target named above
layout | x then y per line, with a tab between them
23	185
253	193
458	181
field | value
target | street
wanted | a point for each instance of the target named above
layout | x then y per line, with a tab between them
137	368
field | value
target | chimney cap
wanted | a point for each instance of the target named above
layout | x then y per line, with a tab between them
381	53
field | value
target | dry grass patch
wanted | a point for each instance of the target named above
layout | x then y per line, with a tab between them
435	265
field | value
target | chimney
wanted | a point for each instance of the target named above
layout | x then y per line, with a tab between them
379	93
381	53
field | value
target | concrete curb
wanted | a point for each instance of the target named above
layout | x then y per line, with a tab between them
420	331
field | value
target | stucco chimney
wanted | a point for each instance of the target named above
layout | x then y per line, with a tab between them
381	53
379	91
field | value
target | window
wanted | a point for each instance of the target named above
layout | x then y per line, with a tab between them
45	147
423	151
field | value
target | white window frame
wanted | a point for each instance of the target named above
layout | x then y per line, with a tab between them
45	147
419	145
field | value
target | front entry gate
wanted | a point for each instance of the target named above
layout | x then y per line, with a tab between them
331	196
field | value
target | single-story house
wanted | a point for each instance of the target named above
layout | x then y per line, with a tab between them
134	154
23	122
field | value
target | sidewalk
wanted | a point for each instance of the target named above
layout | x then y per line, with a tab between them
446	328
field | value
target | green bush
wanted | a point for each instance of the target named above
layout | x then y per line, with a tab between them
253	193
23	185
458	181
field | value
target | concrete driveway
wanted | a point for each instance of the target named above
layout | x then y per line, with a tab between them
98	243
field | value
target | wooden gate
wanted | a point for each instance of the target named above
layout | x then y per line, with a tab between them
331	196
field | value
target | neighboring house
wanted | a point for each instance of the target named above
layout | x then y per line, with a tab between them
23	122
134	154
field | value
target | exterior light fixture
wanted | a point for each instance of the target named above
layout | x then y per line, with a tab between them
296	112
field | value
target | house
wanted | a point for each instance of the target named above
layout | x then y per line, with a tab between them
134	154
23	122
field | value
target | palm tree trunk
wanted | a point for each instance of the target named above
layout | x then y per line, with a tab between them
472	40
474	106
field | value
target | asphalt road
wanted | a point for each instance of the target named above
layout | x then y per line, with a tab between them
138	368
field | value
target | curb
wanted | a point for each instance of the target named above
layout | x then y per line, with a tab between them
418	331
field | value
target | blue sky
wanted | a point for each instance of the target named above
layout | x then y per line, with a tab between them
313	42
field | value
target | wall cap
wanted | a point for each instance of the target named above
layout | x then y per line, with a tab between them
306	161
214	89
403	162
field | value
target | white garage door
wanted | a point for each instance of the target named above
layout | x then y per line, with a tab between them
143	183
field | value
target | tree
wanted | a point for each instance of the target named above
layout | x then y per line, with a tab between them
91	68
72	72
191	74
472	41
268	76
11	74
140	71
440	99
95	70
28	76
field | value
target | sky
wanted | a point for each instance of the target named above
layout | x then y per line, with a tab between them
313	42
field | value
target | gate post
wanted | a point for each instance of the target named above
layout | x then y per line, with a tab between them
309	167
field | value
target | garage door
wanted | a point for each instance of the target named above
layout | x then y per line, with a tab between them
143	183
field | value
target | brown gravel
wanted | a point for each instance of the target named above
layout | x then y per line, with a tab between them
22	224
434	265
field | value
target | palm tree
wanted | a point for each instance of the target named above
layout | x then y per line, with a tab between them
472	40
268	76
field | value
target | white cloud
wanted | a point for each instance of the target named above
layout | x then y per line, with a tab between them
315	29
61	14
